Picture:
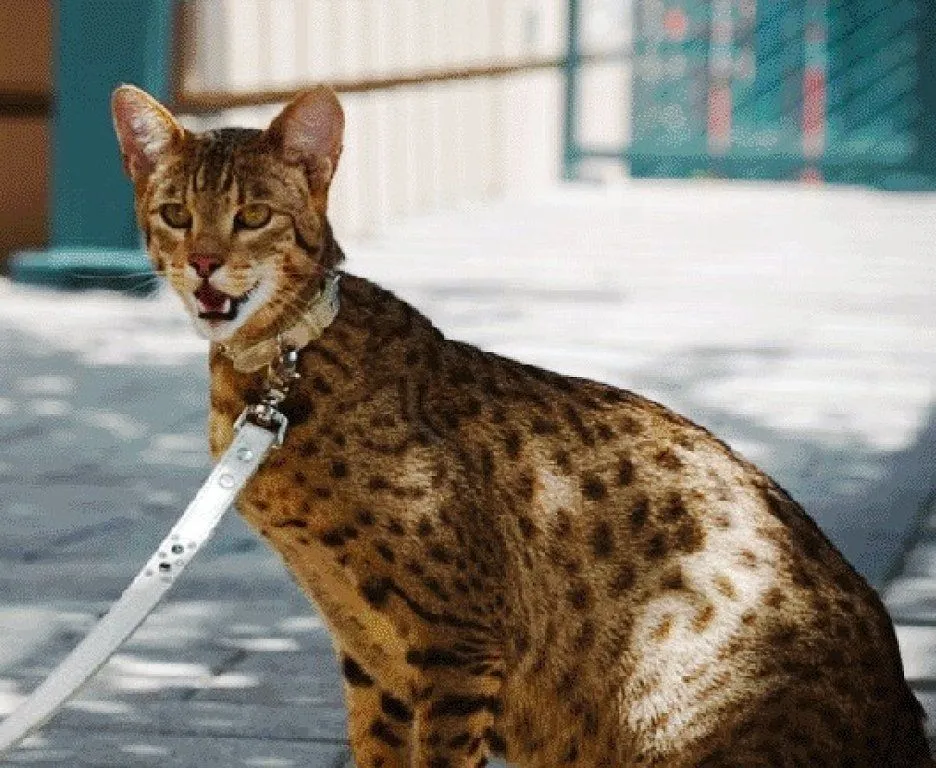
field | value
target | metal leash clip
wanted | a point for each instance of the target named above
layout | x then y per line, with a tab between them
281	374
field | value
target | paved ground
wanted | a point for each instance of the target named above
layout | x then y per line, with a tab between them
798	324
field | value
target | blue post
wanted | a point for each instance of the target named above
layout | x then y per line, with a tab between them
571	155
100	44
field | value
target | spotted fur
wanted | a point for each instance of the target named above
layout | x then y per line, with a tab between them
511	561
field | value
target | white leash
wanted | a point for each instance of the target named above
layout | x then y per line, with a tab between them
257	430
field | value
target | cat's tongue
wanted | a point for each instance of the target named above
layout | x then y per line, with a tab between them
211	300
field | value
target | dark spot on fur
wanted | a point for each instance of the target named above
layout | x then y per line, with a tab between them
433	658
339	469
703	617
298	411
434	586
364	516
578	597
673	579
630	425
689	536
393	707
567	683
512	443
424	528
663	629
602	539
593	488
292	522
563	461
656	547
460	740
774	598
396	528
604	432
623	580
334	537
495	741
725	586
376	591
383	549
586	636
639	514
674	509
383	732
464	706
541	426
383	421
354	674
575	420
669	460
625	473
449	416
527	526
461	374
563	525
321	386
438	553
378	483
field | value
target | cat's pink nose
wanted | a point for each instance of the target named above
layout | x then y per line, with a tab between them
204	263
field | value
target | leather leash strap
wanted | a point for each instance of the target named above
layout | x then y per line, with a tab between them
248	450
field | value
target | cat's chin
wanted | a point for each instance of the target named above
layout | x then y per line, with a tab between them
215	330
234	314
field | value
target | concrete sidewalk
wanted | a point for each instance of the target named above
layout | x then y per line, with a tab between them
797	324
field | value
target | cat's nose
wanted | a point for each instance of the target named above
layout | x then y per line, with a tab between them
204	263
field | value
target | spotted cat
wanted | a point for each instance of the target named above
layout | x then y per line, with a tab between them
512	562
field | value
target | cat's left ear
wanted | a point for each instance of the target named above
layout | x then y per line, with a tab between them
310	131
146	130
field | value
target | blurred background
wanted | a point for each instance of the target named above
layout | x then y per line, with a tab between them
725	205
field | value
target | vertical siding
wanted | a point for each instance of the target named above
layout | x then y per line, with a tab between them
409	149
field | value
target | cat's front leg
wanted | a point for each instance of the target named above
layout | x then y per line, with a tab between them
380	723
454	724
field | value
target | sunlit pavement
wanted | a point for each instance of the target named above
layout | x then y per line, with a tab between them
797	324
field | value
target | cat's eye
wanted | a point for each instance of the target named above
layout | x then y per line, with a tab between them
176	215
253	216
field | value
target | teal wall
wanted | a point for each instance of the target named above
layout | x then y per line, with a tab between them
100	44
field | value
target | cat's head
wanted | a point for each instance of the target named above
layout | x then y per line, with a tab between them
235	218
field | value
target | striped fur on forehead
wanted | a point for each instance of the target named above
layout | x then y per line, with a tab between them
215	158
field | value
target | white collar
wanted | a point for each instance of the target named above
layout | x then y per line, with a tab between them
322	310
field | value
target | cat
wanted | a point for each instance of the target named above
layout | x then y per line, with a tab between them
511	562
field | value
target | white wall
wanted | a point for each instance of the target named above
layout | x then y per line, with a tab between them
408	149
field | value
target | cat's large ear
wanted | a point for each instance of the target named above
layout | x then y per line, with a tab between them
145	129
310	130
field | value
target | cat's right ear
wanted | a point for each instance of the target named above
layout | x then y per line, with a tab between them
145	129
310	131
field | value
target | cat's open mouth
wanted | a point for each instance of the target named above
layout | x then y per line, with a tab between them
215	305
